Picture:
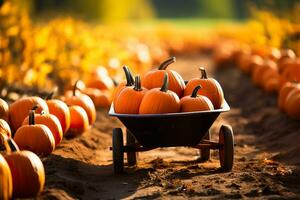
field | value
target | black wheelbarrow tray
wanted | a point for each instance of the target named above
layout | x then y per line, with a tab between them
191	129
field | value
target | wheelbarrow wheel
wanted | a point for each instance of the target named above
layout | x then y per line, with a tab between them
226	151
118	150
205	153
131	156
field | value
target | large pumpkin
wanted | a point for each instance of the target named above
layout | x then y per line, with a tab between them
210	88
3	110
6	186
61	111
155	78
195	102
35	137
79	121
85	102
160	100
19	110
130	98
284	92
292	103
51	121
129	82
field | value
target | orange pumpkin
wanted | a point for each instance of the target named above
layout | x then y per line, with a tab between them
5	144
101	82
284	92
99	97
291	72
195	102
258	72
51	121
61	111
85	102
19	110
121	86
271	80
130	98
210	88
27	171
3	110
160	100
292	103
6	186
274	54
35	137
4	128
79	121
287	55
154	78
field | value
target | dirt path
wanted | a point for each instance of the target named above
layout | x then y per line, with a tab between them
81	168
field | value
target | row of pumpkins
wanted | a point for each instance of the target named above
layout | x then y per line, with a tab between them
164	91
31	126
274	70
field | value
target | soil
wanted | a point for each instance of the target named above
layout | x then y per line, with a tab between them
266	165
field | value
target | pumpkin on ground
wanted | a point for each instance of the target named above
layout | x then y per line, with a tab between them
4	110
130	98
84	101
51	121
258	72
4	128
195	102
292	103
160	100
6	186
155	78
121	86
291	72
19	110
287	55
99	97
79	121
210	88
61	111
100	79
35	137
284	92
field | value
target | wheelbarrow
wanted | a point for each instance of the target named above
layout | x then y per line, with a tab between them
145	132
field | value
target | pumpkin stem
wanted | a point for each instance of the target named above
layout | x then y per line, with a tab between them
203	73
115	82
75	88
165	86
12	145
34	107
195	91
31	117
50	95
166	63
137	83
129	78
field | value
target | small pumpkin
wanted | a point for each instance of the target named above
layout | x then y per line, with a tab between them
130	98
99	97
155	78
3	110
195	102
292	103
121	86
210	88
61	111
291	72
6	185
79	121
271	80
287	55
19	110
49	120
84	101
100	81
160	100
258	72
284	92
37	138
274	54
4	128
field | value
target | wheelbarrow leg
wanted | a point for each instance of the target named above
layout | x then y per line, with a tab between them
226	151
205	153
131	156
118	150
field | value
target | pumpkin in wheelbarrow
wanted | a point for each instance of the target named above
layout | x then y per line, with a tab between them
160	100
